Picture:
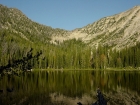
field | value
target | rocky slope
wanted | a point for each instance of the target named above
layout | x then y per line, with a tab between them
14	21
116	31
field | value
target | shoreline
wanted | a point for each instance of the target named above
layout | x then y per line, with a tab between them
108	69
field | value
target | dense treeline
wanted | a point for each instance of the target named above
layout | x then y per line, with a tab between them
104	57
71	54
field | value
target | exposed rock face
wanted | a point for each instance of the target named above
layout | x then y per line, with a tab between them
117	31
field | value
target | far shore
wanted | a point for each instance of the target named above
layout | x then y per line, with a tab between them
107	69
18	72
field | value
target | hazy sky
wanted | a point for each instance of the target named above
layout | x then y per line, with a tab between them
69	14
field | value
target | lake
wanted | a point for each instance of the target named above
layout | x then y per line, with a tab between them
69	87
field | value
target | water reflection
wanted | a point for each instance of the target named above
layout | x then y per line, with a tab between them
69	87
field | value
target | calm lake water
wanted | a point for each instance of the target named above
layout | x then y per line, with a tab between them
70	87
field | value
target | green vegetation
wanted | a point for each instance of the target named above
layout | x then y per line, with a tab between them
25	44
71	54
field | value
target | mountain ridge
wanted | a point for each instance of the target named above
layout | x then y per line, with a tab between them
119	26
15	21
26	44
117	31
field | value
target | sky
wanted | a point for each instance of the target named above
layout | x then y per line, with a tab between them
69	14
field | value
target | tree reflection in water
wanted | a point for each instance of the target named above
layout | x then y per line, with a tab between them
70	87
